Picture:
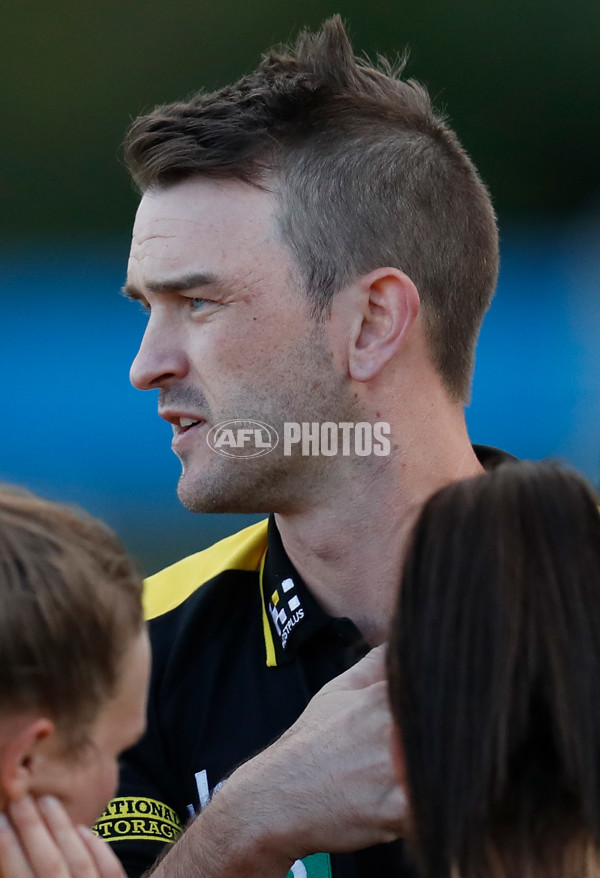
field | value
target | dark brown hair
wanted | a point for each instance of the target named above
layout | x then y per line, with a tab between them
70	604
494	668
365	174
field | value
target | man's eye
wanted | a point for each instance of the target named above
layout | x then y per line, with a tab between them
197	304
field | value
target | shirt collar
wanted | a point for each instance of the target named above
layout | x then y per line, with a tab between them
490	457
291	615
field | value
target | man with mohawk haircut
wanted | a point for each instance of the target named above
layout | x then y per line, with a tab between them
315	250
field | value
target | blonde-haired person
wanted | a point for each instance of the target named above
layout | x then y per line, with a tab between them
74	666
494	677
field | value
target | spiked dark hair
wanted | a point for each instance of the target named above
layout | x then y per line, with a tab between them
365	174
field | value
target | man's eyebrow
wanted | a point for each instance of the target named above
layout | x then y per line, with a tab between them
172	285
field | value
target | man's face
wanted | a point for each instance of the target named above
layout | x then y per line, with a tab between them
229	336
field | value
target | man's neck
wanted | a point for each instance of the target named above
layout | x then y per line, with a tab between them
349	550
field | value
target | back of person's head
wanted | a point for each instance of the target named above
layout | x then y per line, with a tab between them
365	174
494	668
70	608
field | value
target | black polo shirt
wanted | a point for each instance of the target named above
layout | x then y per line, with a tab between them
240	646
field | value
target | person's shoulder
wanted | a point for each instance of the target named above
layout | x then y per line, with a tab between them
490	457
167	589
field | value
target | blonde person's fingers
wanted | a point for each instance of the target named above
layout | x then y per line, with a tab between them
47	856
75	853
106	862
39	848
12	859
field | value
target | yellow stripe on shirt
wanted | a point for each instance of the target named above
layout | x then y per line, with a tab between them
172	586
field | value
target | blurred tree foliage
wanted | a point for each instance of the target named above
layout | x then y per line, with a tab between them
519	79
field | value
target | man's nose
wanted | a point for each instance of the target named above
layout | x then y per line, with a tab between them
159	361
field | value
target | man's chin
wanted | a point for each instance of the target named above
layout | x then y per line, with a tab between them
198	496
194	498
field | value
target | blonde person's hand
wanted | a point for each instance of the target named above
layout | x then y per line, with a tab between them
38	840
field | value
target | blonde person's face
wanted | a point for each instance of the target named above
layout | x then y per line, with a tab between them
85	781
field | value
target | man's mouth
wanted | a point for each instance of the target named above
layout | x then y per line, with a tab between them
184	431
181	426
187	427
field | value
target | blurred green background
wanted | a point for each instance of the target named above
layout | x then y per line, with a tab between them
520	82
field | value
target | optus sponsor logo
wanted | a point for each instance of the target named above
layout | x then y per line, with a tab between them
242	438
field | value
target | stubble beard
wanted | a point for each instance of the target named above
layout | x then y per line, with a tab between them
274	482
242	485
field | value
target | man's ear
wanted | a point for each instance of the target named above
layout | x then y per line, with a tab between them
389	307
22	758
